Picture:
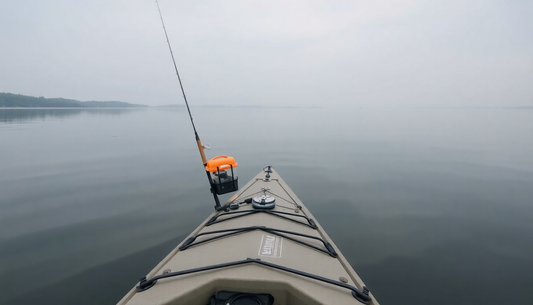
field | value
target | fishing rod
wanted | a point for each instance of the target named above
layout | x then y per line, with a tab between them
220	180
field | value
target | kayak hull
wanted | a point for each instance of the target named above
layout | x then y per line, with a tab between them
281	251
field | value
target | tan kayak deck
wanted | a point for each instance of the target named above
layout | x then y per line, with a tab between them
255	243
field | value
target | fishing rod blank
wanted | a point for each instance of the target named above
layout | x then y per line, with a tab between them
220	180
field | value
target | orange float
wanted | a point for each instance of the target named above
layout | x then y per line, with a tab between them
220	163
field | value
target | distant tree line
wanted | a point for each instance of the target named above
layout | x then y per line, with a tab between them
18	100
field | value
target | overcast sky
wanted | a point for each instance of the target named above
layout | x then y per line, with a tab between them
362	53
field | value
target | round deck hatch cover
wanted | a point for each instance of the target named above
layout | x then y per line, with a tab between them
264	202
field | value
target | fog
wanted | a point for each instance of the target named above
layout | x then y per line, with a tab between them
403	53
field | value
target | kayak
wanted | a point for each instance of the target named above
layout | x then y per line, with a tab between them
263	246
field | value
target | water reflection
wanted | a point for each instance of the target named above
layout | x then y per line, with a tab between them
439	201
17	115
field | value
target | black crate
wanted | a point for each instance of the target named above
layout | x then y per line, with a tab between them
226	187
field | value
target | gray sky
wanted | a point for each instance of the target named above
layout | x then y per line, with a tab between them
361	53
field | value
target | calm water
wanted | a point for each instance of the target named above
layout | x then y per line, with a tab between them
429	206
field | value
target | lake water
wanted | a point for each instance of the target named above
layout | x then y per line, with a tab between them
429	206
